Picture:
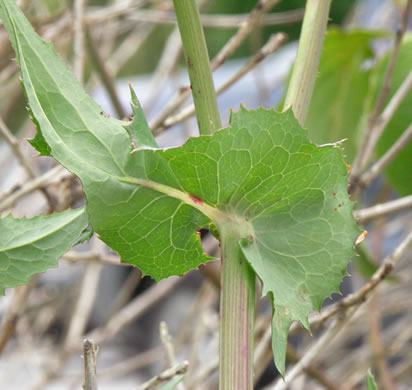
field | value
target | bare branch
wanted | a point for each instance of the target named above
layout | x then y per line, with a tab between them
385	89
376	168
220	21
134	309
104	75
89	355
275	41
81	313
314	351
14	145
312	370
375	124
78	39
262	7
55	174
380	210
244	30
170	373
361	295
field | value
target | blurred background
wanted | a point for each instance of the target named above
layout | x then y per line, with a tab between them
142	328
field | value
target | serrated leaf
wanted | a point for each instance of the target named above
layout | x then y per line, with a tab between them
371	381
40	144
339	97
261	177
398	172
148	228
138	128
31	246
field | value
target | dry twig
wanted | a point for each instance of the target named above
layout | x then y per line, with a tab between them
170	373
380	210
271	46
89	355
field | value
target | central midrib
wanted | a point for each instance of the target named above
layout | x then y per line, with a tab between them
211	212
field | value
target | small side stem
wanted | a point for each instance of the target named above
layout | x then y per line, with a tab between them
307	59
198	65
237	304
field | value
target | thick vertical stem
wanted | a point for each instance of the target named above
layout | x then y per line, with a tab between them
307	59
237	303
198	66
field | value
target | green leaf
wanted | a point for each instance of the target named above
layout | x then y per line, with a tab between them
138	129
261	177
146	227
302	231
340	92
371	382
172	383
31	246
398	172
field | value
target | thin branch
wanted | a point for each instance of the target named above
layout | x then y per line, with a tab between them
312	370
261	8
169	348
132	364
104	75
263	353
380	210
89	356
361	295
81	313
166	375
203	373
15	146
55	174
375	331
134	309
116	10
275	41
374	126
376	168
244	30
27	166
167	62
385	89
15	310
92	257
386	116
167	343
314	351
220	21
78	39
125	293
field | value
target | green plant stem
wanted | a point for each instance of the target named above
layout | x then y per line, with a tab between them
237	315
307	59
237	303
198	65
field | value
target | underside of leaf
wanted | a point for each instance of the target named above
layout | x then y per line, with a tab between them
31	246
